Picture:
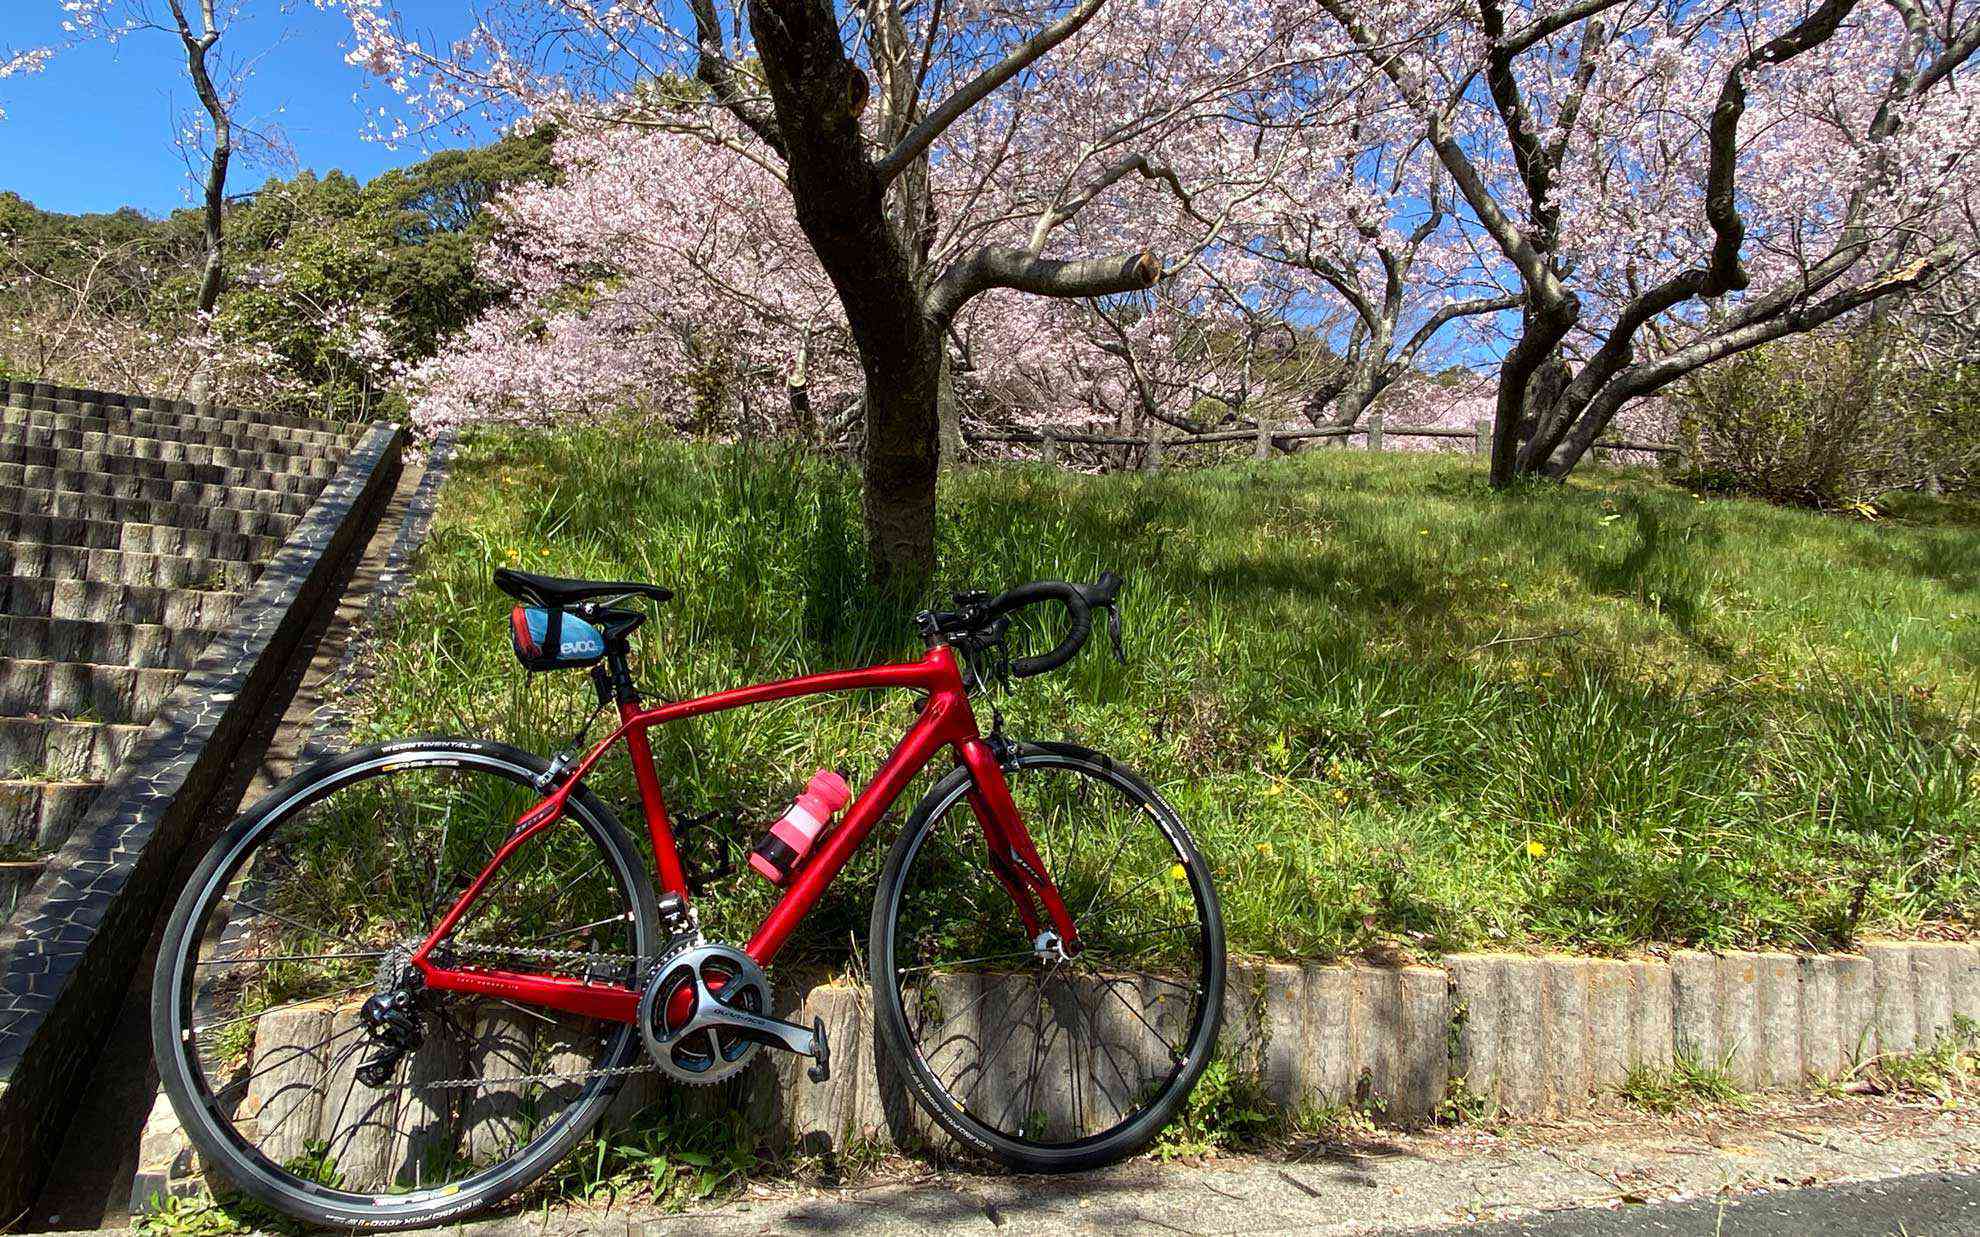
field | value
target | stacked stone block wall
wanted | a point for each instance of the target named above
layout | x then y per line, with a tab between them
158	561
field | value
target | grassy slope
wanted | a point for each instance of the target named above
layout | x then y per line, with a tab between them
1398	709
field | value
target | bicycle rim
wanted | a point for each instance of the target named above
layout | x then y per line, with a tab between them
294	920
1050	1062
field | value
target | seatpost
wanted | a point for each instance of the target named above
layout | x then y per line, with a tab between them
624	692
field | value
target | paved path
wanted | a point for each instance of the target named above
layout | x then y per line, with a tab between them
1619	1176
1931	1205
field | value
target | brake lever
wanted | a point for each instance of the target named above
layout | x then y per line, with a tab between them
1114	634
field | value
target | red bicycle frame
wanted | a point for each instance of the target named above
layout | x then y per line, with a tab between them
946	721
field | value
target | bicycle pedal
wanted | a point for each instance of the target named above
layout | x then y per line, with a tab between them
821	1057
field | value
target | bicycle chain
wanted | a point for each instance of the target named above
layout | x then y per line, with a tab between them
516	951
644	964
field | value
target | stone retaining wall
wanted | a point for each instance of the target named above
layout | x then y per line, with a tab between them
1515	1035
1527	1036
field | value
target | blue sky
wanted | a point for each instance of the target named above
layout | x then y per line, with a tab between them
93	131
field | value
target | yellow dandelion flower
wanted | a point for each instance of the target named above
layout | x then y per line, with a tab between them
1178	872
1536	849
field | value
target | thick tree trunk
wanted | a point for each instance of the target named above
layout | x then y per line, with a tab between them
840	205
901	465
948	414
1531	365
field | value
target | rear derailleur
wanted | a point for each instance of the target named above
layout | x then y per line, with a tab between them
391	1017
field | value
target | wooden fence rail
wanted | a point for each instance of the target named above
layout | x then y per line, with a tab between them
1264	438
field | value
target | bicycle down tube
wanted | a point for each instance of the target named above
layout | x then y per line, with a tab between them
946	720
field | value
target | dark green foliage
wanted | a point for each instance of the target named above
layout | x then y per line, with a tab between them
337	283
1835	420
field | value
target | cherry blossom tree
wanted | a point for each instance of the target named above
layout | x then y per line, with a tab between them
1671	184
660	265
930	156
19	62
1368	227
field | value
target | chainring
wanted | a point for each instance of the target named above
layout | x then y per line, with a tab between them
685	1043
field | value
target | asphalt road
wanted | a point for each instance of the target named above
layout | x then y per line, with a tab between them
1928	1205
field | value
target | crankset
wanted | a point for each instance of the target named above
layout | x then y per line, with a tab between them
705	1010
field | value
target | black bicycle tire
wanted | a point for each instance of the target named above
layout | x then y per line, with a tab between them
928	1092
418	1209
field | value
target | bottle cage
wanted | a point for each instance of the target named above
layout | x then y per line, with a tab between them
550	639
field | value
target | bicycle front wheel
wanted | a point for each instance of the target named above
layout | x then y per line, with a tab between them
1045	1062
309	905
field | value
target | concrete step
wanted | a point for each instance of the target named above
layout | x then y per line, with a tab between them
242	437
108	644
41	814
151	489
258	526
317	462
26	597
123	694
160	470
43	398
74	562
53	749
136	537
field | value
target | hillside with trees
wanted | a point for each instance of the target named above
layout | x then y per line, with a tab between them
334	287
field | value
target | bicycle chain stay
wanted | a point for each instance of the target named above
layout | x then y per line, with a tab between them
575	955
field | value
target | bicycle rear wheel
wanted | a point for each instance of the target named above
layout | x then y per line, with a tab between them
309	904
1045	1062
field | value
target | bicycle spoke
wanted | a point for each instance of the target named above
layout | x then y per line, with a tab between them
1146	932
1143	1021
439	858
317	898
263	1013
245	1079
930	966
1194	988
583	927
294	923
376	953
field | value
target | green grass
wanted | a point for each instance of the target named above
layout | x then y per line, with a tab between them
1689	1084
1944	1072
1398	709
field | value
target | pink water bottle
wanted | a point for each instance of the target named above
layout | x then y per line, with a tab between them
783	848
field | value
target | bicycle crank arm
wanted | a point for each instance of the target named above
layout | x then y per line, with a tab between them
792	1037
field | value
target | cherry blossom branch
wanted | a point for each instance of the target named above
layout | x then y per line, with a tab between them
1005	266
1534	270
1543	28
1646	377
978	88
1451	313
714	69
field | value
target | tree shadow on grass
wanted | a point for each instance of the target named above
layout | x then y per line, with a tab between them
1363	575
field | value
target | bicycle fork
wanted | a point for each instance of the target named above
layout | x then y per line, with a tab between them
1014	859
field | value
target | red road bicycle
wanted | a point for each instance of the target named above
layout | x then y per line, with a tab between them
409	980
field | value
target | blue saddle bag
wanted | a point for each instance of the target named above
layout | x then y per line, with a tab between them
554	640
